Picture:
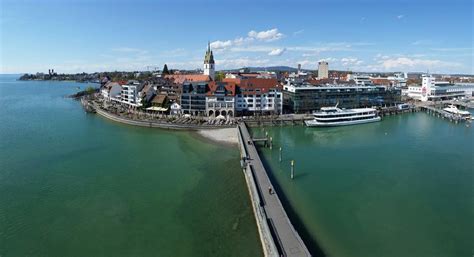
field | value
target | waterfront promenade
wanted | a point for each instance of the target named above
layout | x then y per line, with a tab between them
276	231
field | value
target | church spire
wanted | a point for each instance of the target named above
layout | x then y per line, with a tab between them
209	58
209	62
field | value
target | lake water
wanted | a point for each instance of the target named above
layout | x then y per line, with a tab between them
75	184
400	187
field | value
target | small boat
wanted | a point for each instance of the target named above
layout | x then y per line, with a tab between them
454	110
333	116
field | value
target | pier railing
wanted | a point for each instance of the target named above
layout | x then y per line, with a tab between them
277	234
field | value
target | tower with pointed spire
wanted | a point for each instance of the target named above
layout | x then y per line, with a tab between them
209	62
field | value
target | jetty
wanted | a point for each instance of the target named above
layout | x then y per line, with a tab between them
440	113
277	234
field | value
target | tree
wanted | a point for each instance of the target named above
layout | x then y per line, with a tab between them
90	90
165	70
219	76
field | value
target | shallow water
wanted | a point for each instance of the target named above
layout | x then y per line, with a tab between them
75	184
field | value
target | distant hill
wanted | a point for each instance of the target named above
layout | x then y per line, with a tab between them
271	68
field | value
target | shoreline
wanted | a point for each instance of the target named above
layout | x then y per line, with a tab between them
227	136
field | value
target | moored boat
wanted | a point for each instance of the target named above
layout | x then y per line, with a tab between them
454	110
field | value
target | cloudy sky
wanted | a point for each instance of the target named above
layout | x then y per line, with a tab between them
363	35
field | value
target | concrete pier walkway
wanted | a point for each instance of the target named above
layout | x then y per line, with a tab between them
281	234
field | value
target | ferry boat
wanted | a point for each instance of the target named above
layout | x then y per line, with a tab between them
454	110
334	116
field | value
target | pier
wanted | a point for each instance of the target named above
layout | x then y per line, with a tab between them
277	234
440	113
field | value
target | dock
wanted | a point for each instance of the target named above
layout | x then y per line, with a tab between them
440	113
277	234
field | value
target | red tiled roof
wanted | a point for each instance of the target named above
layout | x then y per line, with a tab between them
231	80
258	83
229	86
181	78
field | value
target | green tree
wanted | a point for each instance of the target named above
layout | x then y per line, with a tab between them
90	90
165	70
219	76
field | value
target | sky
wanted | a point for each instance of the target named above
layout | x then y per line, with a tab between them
360	35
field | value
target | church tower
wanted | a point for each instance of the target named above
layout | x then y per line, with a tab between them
209	62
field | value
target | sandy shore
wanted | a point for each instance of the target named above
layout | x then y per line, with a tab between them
225	135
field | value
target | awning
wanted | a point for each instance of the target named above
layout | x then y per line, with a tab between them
157	109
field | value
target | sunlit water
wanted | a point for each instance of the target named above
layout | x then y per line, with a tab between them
75	184
400	187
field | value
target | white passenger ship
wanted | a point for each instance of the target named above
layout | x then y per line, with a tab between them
333	116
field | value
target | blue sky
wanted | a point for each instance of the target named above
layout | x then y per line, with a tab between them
370	35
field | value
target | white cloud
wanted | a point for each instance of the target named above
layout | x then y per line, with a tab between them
277	51
307	64
329	59
241	62
414	64
267	35
221	44
351	61
401	16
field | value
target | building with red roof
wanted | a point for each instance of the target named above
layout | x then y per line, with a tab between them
220	99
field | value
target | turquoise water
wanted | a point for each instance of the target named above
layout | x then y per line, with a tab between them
400	187
75	184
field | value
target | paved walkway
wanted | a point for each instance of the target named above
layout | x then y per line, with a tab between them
285	236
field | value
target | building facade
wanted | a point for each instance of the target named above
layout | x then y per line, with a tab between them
432	90
111	91
258	95
305	98
220	100
323	70
193	98
130	94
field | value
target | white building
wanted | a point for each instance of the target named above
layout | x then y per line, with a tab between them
362	80
111	91
432	90
398	79
259	96
220	100
175	109
323	70
129	94
209	68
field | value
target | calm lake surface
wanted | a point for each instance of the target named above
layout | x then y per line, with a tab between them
75	184
400	187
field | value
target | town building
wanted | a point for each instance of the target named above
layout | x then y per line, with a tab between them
193	98
130	94
362	80
209	68
258	95
111	91
220	99
432	90
305	98
323	70
175	109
